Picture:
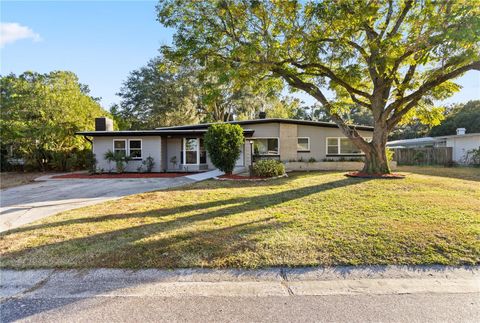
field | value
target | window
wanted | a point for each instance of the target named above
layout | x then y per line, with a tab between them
120	146
194	152
342	146
135	148
348	147
265	146
190	145
303	144
332	146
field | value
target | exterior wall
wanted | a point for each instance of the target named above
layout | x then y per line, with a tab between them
151	146
461	145
318	140
174	148
288	133
288	141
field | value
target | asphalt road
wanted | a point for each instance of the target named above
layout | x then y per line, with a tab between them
334	308
337	294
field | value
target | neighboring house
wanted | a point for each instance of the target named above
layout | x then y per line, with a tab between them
460	143
181	148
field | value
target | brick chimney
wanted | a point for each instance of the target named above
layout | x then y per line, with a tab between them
103	124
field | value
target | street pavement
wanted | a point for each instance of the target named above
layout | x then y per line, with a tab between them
337	294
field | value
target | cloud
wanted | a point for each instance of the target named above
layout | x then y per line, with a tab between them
10	32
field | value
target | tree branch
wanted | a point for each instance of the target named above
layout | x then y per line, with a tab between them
294	81
412	99
325	71
398	23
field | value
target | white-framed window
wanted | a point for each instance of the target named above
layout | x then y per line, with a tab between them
120	146
135	148
194	152
303	144
266	146
342	146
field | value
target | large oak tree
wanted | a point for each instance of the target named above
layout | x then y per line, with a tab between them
392	57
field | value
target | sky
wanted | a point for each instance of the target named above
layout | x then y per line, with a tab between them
101	42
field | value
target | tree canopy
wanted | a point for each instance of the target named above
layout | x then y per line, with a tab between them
169	92
394	58
40	114
459	116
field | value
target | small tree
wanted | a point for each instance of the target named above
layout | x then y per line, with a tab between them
120	160
223	142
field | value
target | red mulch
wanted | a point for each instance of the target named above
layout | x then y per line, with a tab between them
366	175
123	175
238	177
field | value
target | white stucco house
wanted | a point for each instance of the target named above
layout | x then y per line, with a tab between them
181	148
460	143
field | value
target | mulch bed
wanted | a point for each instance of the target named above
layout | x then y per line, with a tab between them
123	175
366	175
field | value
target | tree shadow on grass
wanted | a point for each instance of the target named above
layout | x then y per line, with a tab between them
232	206
464	173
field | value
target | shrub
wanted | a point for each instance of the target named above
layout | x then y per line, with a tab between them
473	157
148	163
312	160
268	168
389	153
223	142
120	160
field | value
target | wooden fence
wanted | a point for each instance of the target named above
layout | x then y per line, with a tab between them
423	156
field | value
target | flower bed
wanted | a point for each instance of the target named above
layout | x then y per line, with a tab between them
122	175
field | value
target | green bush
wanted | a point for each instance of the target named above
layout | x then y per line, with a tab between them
223	142
120	160
389	152
268	168
149	163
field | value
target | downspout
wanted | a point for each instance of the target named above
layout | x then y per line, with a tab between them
88	139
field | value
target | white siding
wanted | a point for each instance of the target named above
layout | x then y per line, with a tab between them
460	146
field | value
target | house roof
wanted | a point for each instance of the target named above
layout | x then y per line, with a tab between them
202	128
155	132
273	120
414	141
426	140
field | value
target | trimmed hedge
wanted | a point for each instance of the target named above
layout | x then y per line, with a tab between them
268	168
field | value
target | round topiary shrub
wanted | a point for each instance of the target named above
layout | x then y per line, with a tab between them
223	142
268	168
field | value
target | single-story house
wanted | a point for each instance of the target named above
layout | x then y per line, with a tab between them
460	143
181	148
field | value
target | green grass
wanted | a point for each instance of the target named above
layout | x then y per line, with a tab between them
318	218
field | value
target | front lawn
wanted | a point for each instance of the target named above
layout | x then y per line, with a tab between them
317	218
12	179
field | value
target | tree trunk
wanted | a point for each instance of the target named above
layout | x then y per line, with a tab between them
376	162
375	153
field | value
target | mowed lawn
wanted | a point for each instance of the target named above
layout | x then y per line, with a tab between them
316	218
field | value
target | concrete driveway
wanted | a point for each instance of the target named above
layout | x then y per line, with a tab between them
27	203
